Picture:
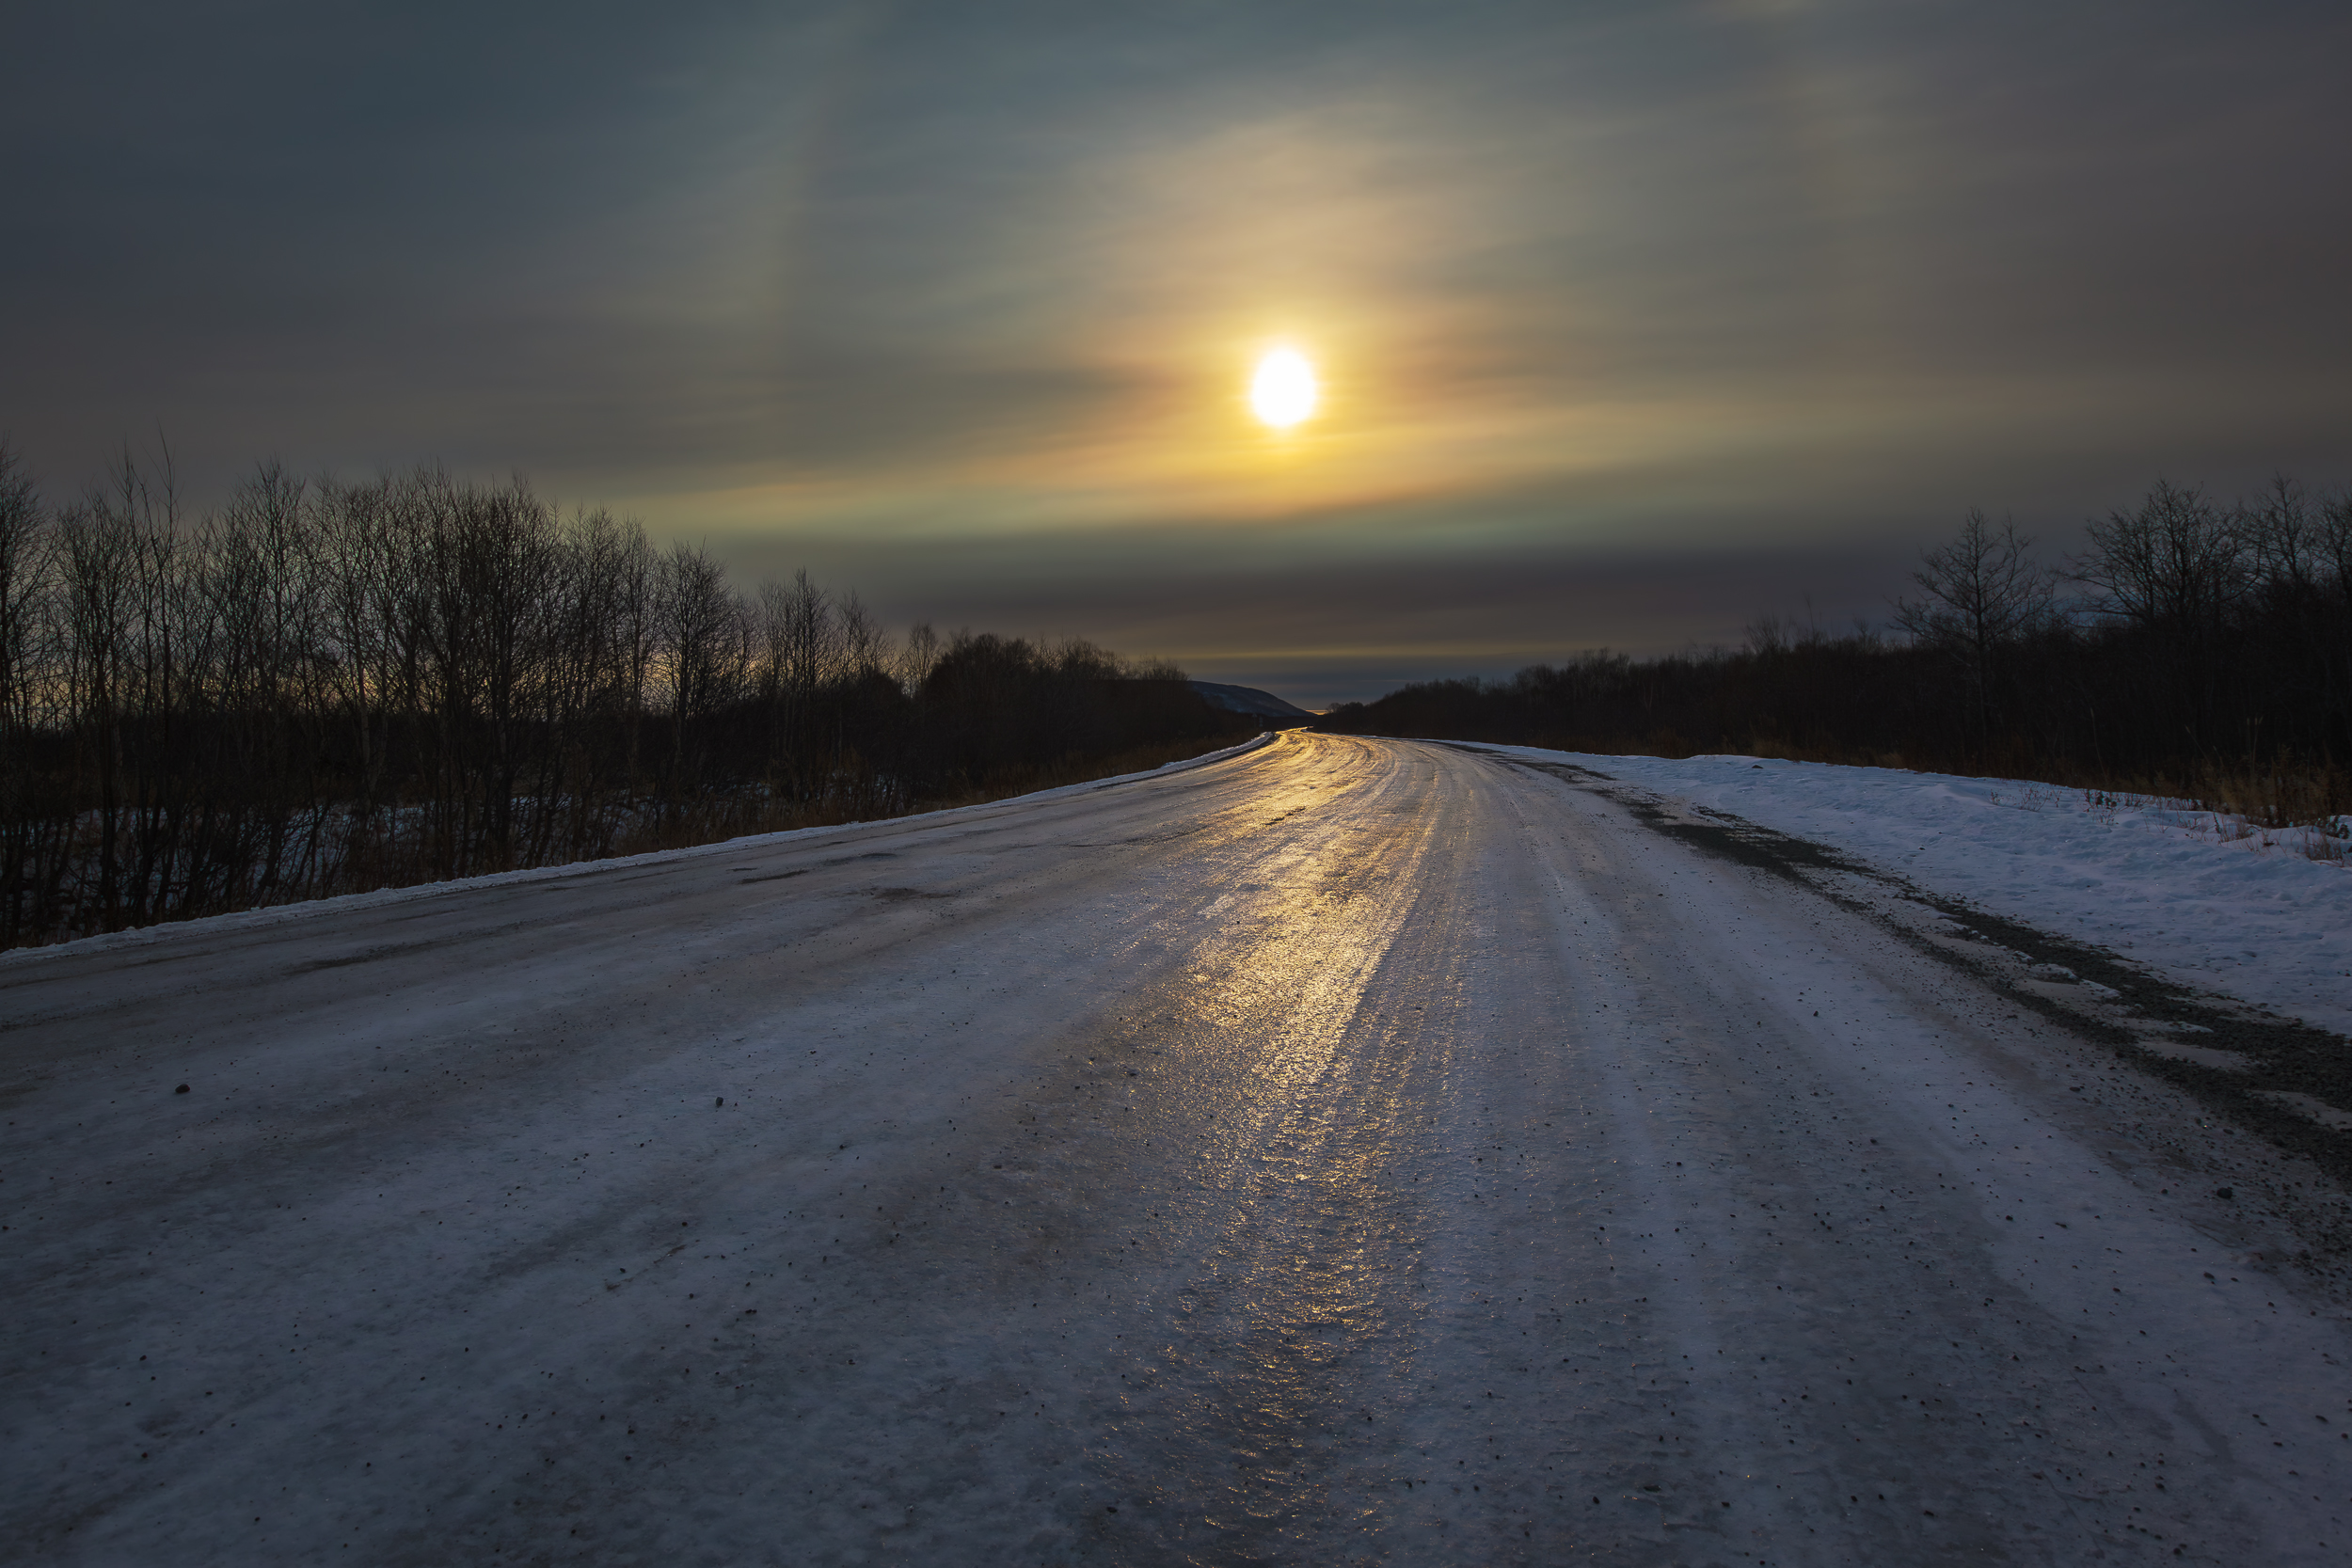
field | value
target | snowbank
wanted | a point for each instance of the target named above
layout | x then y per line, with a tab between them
301	908
2252	917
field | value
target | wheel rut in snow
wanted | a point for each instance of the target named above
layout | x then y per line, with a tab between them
2283	1080
1353	1152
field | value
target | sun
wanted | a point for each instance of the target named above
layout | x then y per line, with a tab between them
1284	390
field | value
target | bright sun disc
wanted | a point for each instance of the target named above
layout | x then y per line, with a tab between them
1284	391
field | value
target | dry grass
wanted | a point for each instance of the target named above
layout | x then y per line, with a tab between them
2287	794
2289	801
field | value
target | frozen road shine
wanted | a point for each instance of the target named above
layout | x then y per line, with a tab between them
1346	1151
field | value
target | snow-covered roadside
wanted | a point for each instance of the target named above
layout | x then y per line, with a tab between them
2270	926
1430	1122
274	913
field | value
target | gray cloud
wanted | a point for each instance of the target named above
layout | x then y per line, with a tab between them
933	296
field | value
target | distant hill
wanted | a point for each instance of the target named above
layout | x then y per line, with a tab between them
1249	699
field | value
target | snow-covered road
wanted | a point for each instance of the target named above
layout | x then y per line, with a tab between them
1344	1151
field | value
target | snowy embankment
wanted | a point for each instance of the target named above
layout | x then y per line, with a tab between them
300	908
2254	917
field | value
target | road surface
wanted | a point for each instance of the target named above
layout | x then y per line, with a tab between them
1346	1151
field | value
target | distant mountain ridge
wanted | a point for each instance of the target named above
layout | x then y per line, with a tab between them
1249	699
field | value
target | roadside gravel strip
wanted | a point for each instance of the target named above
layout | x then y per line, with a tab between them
1343	1152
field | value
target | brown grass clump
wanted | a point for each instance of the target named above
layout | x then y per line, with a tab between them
2286	793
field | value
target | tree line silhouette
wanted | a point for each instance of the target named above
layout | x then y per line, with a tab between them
2193	648
328	686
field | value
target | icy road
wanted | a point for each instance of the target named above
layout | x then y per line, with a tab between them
1344	1151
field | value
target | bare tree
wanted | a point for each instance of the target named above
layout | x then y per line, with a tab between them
919	657
97	549
325	687
636	634
2302	551
2177	564
865	646
704	644
1982	593
2177	570
2334	545
25	658
24	582
354	563
2287	537
807	636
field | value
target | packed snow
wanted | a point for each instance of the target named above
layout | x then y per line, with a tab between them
1340	1151
2217	904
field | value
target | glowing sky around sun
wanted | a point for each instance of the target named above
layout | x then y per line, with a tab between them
1618	323
1284	389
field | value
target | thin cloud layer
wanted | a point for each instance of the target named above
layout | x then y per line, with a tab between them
1635	301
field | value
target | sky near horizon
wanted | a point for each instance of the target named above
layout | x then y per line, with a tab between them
1632	321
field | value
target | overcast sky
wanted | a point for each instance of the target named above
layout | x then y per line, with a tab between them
1635	319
